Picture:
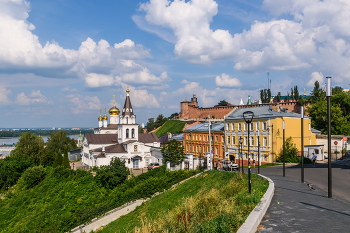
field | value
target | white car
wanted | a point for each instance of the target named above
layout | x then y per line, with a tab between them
228	165
325	155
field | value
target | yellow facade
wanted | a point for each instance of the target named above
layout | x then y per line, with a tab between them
270	133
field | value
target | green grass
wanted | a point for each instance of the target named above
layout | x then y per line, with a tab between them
213	202
171	126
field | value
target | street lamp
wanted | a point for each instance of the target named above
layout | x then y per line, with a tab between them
248	118
240	141
328	96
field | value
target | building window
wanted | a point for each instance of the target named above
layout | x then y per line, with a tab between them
264	126
265	141
216	151
135	148
127	133
252	141
239	127
232	126
133	133
233	140
257	126
228	140
245	126
216	138
251	126
222	138
309	126
245	141
227	126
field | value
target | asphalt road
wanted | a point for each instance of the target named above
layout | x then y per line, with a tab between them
296	208
317	176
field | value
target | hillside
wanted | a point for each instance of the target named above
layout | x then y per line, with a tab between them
65	198
212	202
171	126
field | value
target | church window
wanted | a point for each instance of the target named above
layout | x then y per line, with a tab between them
135	148
127	133
127	110
133	133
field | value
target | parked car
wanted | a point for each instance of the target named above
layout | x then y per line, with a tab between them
325	156
229	165
152	165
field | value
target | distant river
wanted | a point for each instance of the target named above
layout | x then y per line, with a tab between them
15	140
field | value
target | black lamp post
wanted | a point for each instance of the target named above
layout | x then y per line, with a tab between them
248	118
328	96
240	141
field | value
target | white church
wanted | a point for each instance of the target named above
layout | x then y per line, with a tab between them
120	138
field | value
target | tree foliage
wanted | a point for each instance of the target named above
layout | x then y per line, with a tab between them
290	151
265	96
340	110
112	175
223	103
151	124
59	142
65	162
173	152
29	145
31	177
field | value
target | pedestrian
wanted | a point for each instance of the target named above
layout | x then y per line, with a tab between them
313	158
254	163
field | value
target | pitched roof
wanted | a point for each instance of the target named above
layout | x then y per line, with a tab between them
215	127
116	148
262	112
127	110
101	138
148	137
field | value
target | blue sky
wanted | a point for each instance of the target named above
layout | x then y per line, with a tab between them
61	61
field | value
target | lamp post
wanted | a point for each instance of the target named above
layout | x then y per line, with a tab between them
284	147
328	95
248	118
302	143
258	151
240	141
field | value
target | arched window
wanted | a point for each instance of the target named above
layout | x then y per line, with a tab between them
133	133
127	133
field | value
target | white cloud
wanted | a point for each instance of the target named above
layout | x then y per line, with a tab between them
226	81
4	95
33	98
144	77
141	98
315	76
83	104
67	89
317	38
21	50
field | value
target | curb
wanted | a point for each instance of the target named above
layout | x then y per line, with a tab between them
252	222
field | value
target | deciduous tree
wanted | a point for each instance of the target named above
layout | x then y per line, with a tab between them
173	152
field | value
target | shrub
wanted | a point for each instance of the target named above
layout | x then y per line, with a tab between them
31	177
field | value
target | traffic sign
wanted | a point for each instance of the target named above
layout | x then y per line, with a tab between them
335	143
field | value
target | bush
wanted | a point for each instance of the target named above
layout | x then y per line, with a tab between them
112	175
31	177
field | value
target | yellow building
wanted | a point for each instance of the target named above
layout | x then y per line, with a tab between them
266	128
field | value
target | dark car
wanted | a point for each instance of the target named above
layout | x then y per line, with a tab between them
152	165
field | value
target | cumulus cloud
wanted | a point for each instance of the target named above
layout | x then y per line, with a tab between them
4	95
224	80
33	98
67	89
317	37
315	76
83	104
141	98
21	50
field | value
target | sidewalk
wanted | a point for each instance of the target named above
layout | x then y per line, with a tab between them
295	208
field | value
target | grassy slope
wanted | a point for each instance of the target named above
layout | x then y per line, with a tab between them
66	199
171	126
226	191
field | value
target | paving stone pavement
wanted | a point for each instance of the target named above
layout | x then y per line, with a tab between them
295	208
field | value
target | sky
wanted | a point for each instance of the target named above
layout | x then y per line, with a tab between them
62	61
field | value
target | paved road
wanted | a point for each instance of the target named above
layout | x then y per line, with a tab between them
296	208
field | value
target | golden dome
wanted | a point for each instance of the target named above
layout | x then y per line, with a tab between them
105	117
127	91
100	118
114	111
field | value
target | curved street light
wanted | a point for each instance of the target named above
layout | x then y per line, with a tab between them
240	152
